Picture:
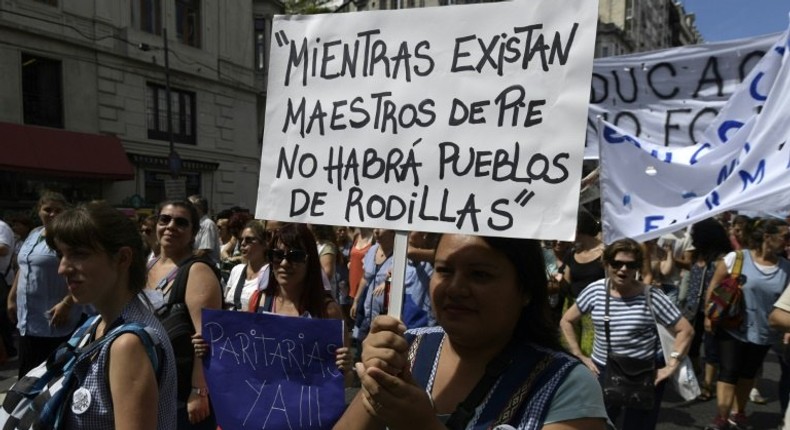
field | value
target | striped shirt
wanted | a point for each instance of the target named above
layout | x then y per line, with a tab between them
631	325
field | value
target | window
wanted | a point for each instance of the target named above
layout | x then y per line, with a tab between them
42	91
182	110
147	15
260	44
188	22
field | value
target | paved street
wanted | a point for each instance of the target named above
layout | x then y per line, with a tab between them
675	414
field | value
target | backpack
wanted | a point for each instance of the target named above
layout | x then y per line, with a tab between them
725	307
177	322
38	400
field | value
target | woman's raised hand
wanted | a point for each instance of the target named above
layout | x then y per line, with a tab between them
385	347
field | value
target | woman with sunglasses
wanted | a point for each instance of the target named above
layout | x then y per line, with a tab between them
743	349
295	286
245	278
176	272
622	299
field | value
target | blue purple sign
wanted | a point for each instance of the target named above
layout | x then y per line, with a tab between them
273	372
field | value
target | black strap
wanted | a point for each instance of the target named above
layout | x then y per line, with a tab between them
268	300
239	287
466	410
702	286
179	289
606	316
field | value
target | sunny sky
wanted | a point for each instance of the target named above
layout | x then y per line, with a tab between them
720	20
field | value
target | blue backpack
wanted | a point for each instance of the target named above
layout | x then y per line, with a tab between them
37	401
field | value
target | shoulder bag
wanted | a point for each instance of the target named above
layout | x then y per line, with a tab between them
628	382
38	400
725	306
175	318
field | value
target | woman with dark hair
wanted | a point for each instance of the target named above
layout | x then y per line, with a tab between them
742	349
583	266
295	284
494	359
177	278
39	300
710	242
625	321
103	261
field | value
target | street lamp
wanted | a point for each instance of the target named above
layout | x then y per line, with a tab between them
173	159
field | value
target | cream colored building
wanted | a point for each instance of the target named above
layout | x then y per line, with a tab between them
83	98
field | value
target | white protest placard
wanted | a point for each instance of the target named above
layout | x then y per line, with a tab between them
463	119
669	96
648	189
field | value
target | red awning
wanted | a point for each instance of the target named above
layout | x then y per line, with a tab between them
62	153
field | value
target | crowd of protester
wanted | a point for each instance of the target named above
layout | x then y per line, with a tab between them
479	313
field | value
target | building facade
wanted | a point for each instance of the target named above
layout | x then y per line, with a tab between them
83	102
624	26
628	26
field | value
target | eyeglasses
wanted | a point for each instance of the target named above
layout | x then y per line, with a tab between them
248	240
277	256
629	265
180	222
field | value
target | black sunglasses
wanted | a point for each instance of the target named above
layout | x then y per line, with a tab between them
276	256
165	219
248	240
631	265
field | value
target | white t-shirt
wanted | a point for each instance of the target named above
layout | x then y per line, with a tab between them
208	238
250	285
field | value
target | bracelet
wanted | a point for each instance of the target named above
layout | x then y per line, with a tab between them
200	391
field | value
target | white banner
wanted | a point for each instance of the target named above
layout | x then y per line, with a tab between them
648	189
454	119
670	96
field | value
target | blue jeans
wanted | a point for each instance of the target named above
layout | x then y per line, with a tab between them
635	419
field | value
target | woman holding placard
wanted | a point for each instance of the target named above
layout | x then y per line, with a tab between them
295	286
494	358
